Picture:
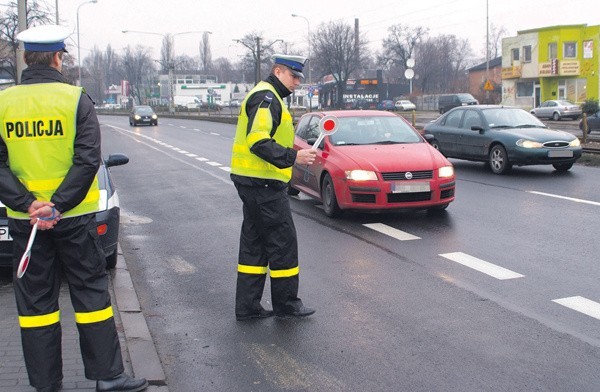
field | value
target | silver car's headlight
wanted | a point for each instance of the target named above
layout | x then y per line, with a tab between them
154	116
575	143
529	143
446	171
361	175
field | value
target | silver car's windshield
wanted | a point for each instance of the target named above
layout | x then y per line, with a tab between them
510	118
373	130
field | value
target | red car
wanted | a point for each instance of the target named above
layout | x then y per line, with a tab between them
374	161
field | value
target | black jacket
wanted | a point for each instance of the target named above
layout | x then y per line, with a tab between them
86	160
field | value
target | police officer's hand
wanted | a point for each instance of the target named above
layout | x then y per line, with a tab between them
306	156
45	212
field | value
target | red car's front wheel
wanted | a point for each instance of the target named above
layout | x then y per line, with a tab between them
330	205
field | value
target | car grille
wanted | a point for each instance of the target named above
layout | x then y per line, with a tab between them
408	197
447	193
556	144
416	175
363	198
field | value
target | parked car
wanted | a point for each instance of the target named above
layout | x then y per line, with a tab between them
556	109
107	217
449	101
374	161
503	136
362	104
593	122
142	115
405	105
386	105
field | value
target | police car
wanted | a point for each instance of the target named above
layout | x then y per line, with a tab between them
107	217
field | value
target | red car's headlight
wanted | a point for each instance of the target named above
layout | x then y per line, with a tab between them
361	175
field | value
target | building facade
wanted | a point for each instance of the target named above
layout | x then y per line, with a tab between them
485	81
557	62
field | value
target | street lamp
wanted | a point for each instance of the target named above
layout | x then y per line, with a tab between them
308	29
170	64
78	46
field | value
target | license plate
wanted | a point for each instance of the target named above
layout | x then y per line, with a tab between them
560	154
4	235
413	187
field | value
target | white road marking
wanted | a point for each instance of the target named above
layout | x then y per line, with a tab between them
581	304
183	152
226	168
202	159
594	203
181	266
394	233
196	129
216	134
192	155
482	266
213	163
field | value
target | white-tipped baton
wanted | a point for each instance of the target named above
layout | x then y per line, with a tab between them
328	126
24	263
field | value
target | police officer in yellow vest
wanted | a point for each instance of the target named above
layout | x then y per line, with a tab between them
261	167
49	157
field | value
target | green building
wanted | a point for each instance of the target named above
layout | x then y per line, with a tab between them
556	62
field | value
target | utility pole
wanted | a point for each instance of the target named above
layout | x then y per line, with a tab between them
257	60
22	25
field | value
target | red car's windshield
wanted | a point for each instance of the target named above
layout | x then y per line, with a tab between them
373	130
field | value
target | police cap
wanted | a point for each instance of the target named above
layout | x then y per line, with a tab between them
47	38
294	63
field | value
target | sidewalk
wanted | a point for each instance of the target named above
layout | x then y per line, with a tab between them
139	353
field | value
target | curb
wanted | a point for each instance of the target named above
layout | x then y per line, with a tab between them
142	351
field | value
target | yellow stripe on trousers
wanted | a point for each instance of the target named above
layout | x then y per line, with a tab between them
94	317
43	320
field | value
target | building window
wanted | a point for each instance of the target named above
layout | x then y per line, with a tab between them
570	50
574	89
552	51
514	54
525	89
527	54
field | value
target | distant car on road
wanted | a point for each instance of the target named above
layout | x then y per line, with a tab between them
593	122
375	161
107	217
142	115
405	105
556	109
503	137
386	105
449	101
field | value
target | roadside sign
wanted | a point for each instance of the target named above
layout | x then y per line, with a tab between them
488	86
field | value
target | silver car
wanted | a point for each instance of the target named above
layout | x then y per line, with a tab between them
557	109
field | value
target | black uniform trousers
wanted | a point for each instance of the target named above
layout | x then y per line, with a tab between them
268	238
71	249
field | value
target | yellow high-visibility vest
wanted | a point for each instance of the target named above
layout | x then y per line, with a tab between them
38	125
243	161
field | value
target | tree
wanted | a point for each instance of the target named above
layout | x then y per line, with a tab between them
205	53
139	70
94	63
399	45
37	13
495	42
441	64
259	54
338	52
224	70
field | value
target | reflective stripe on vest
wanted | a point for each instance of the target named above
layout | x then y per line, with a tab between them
243	161
38	126
43	320
93	317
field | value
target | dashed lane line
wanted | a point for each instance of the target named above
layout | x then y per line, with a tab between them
392	232
581	304
485	267
594	203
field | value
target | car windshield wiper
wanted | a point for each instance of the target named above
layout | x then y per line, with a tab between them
529	126
387	142
501	126
347	144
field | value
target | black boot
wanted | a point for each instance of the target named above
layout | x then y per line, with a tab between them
122	383
52	388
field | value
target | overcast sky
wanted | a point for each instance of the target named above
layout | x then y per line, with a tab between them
101	23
